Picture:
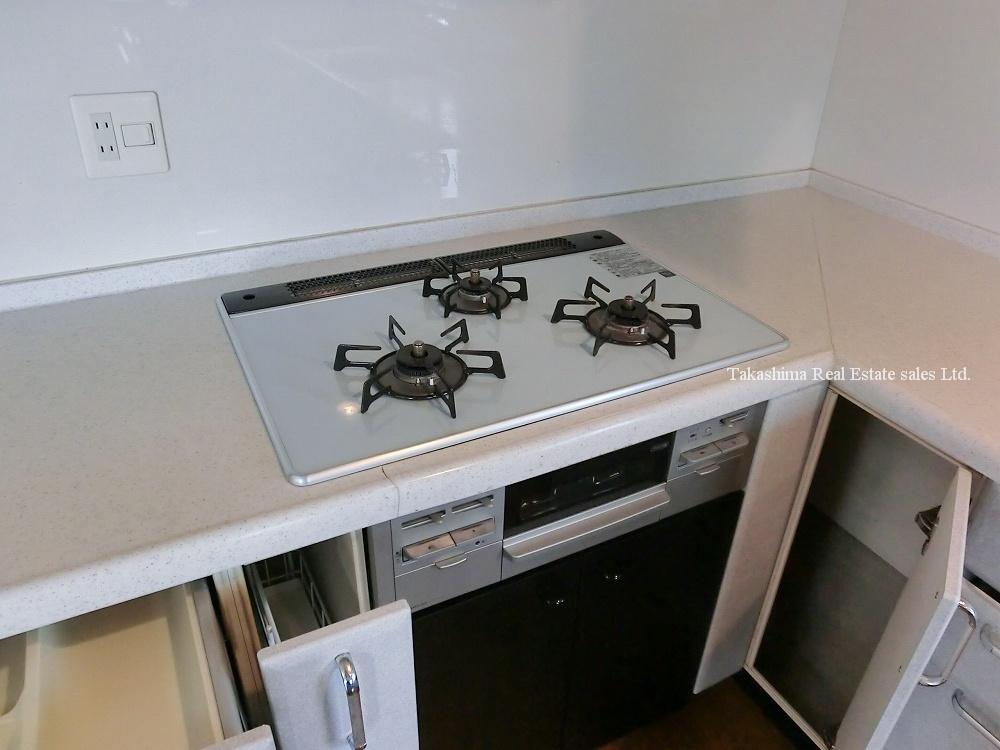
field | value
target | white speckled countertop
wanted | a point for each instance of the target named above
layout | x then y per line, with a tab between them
132	456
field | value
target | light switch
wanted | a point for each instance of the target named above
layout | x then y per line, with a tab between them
138	134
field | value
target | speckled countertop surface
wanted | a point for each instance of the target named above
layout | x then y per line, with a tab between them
132	456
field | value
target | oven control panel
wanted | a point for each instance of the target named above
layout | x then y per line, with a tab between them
438	553
709	444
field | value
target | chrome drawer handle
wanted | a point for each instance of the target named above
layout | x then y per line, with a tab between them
451	562
356	739
941	679
956	701
707	469
989	638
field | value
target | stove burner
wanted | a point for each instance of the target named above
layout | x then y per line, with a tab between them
418	371
476	294
627	321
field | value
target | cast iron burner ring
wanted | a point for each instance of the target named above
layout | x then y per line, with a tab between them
418	371
627	321
475	294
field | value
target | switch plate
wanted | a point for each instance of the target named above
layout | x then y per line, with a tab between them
138	134
99	119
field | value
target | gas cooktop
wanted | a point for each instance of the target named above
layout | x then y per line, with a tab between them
358	369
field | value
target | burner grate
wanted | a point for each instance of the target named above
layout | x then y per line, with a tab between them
627	321
419	371
475	294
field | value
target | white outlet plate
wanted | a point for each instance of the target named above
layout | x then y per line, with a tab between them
92	111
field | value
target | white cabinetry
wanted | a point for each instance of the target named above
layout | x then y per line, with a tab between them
962	712
156	672
860	598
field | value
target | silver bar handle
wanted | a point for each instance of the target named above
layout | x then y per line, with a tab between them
989	638
941	679
956	702
356	739
590	523
451	562
706	470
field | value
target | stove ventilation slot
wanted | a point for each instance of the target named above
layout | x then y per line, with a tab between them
353	281
507	254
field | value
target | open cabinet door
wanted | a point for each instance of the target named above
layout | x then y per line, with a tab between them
857	602
922	613
320	701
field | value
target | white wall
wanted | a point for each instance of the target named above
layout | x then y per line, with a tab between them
296	117
914	105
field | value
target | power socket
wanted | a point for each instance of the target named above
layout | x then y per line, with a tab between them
105	140
120	134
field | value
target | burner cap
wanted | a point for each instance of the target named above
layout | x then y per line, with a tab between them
629	310
417	359
474	283
636	328
404	375
477	294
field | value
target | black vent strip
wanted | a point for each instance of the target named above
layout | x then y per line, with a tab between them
342	283
276	295
508	254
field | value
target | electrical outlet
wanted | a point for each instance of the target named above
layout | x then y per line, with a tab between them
105	140
120	134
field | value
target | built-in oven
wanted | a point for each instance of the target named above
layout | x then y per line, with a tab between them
561	610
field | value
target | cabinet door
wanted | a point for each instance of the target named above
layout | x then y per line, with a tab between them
962	712
860	599
315	701
646	600
492	667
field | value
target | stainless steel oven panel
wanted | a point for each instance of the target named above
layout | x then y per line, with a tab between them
536	547
708	483
715	440
417	528
386	542
450	576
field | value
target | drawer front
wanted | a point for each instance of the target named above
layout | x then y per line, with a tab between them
318	699
931	720
450	576
707	483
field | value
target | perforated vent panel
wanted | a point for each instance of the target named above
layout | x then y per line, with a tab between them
370	278
515	253
302	290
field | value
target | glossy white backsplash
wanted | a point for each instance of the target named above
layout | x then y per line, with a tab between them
296	118
914	106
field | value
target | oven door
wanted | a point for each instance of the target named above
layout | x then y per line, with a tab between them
543	544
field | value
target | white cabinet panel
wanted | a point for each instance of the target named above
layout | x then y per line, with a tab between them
858	603
930	720
307	694
927	603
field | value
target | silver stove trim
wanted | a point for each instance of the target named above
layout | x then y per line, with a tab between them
380	459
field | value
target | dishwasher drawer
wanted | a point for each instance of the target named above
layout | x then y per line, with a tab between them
149	673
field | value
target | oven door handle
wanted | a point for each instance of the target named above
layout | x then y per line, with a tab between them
590	527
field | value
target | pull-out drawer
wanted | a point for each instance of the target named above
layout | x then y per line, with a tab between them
330	672
149	673
960	708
